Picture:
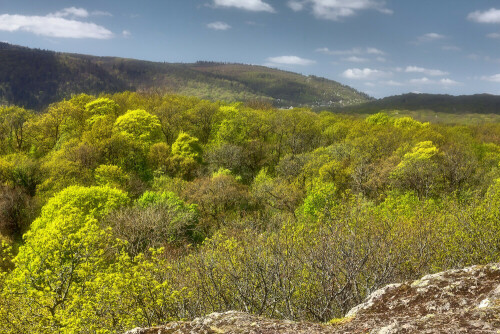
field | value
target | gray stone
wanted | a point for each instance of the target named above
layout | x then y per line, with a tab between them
455	301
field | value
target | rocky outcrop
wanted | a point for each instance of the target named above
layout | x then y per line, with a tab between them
454	301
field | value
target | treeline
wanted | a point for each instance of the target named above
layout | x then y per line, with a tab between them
134	209
35	78
463	104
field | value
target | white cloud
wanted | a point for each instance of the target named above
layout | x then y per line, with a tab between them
494	35
289	60
430	37
386	11
71	11
353	51
250	5
490	16
126	33
355	59
338	9
374	51
339	52
421	81
100	13
426	71
356	55
448	82
492	78
442	82
219	26
365	73
296	6
53	26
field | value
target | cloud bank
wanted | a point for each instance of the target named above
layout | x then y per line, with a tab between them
442	82
71	11
430	37
351	52
356	59
218	26
337	9
365	73
426	71
492	78
494	35
250	5
61	24
490	16
289	60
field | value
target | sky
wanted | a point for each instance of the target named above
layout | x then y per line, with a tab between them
379	47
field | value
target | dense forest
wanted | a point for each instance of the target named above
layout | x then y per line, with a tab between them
441	103
132	209
35	78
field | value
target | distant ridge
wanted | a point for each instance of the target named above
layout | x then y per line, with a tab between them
35	78
463	104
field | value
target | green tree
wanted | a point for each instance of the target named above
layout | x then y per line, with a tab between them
13	128
99	116
159	157
186	155
61	122
139	125
62	168
100	107
111	175
202	117
20	170
380	118
64	250
172	113
408	123
418	170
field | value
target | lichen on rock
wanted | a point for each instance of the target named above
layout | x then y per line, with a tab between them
454	301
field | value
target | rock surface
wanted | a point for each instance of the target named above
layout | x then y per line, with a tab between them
454	301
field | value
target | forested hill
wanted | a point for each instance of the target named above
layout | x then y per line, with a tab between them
464	104
35	78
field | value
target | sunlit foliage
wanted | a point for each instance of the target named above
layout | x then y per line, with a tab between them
136	209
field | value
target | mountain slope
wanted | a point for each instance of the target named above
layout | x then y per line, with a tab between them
35	78
464	104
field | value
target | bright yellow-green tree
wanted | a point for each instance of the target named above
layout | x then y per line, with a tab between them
139	125
186	155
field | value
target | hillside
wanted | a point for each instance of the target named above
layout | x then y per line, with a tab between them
35	78
463	104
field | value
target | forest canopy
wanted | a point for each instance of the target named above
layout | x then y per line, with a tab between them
130	209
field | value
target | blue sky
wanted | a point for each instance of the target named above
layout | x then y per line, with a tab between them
379	47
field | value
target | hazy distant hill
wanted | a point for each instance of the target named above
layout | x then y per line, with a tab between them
34	78
464	104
